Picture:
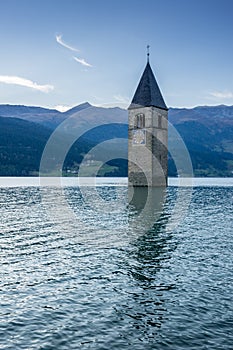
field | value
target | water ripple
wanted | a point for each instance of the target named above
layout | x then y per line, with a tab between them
102	286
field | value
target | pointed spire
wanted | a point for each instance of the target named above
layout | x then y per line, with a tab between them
148	93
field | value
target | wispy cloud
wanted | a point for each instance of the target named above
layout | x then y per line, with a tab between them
121	99
71	48
61	42
221	94
82	61
14	80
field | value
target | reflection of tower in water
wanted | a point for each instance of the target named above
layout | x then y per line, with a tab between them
146	204
149	255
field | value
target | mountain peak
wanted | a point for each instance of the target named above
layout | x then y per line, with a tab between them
78	108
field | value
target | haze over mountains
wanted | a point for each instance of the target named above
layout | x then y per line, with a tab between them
24	131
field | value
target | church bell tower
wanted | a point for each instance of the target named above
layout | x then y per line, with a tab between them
147	133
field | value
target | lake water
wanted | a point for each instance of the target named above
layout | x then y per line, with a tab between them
100	267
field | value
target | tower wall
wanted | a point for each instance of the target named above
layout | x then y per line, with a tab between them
147	147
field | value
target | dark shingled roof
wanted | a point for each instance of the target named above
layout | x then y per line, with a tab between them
148	93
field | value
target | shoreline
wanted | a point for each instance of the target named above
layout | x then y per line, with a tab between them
6	182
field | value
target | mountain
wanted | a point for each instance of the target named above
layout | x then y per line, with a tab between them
21	146
84	113
44	116
25	130
207	115
208	134
206	130
77	109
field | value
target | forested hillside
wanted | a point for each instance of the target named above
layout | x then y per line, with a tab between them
24	131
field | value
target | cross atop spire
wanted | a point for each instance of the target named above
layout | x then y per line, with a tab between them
148	52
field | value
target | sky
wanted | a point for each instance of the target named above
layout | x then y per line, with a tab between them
60	53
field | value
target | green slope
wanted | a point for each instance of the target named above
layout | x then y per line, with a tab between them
21	146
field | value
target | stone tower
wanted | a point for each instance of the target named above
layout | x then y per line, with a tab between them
147	139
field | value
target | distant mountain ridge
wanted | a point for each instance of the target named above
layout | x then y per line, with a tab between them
7	110
207	115
206	130
52	118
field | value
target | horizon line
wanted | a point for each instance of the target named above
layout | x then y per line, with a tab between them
106	105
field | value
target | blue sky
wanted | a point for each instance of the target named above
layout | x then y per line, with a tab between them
65	52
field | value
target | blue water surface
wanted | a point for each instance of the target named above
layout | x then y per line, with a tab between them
86	268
